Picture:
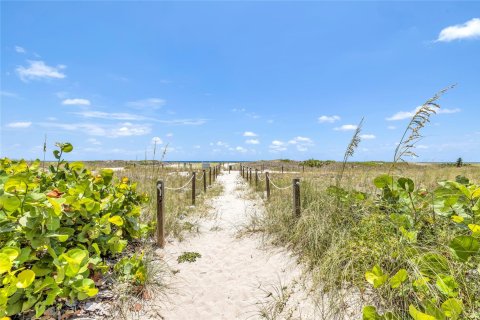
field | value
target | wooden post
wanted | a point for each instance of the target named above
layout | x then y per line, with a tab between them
190	167
160	214
210	176
303	168
193	187
256	178
282	169
250	175
296	197
204	181
267	181
229	168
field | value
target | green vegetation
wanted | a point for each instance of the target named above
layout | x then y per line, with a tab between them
188	257
409	247
56	229
312	163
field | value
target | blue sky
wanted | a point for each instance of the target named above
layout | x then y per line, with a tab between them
237	80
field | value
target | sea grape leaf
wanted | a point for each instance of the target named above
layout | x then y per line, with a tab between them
453	308
376	277
447	285
464	247
25	279
418	315
400	277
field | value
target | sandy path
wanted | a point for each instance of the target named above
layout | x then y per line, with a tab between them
235	276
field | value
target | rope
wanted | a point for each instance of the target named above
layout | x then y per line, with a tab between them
198	179
279	188
186	184
260	179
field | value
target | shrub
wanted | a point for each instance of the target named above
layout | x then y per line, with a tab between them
56	228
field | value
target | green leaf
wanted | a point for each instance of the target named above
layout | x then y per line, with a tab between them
370	313
11	252
9	203
447	285
67	147
116	220
5	263
107	175
417	315
383	181
453	308
56	154
406	184
25	279
376	277
85	288
464	247
400	277
76	260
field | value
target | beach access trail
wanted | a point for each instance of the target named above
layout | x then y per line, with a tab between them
237	276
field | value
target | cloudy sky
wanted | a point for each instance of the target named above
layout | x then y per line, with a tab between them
237	80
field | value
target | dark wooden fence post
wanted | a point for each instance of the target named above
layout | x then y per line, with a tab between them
250	175
282	169
267	181
204	180
210	176
193	186
296	197
160	214
256	178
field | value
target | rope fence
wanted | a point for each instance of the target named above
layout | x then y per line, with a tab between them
213	173
247	172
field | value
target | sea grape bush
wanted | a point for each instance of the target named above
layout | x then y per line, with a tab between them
436	278
57	226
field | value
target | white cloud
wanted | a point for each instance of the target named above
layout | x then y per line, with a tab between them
93	141
301	143
270	121
196	147
249	134
409	114
222	144
241	149
252	141
20	124
169	135
277	146
391	127
8	94
76	102
127	129
156	140
467	30
20	49
112	131
107	115
152	103
39	70
448	111
329	119
346	127
184	122
239	110
367	136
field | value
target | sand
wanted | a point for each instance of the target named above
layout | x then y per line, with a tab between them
236	277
